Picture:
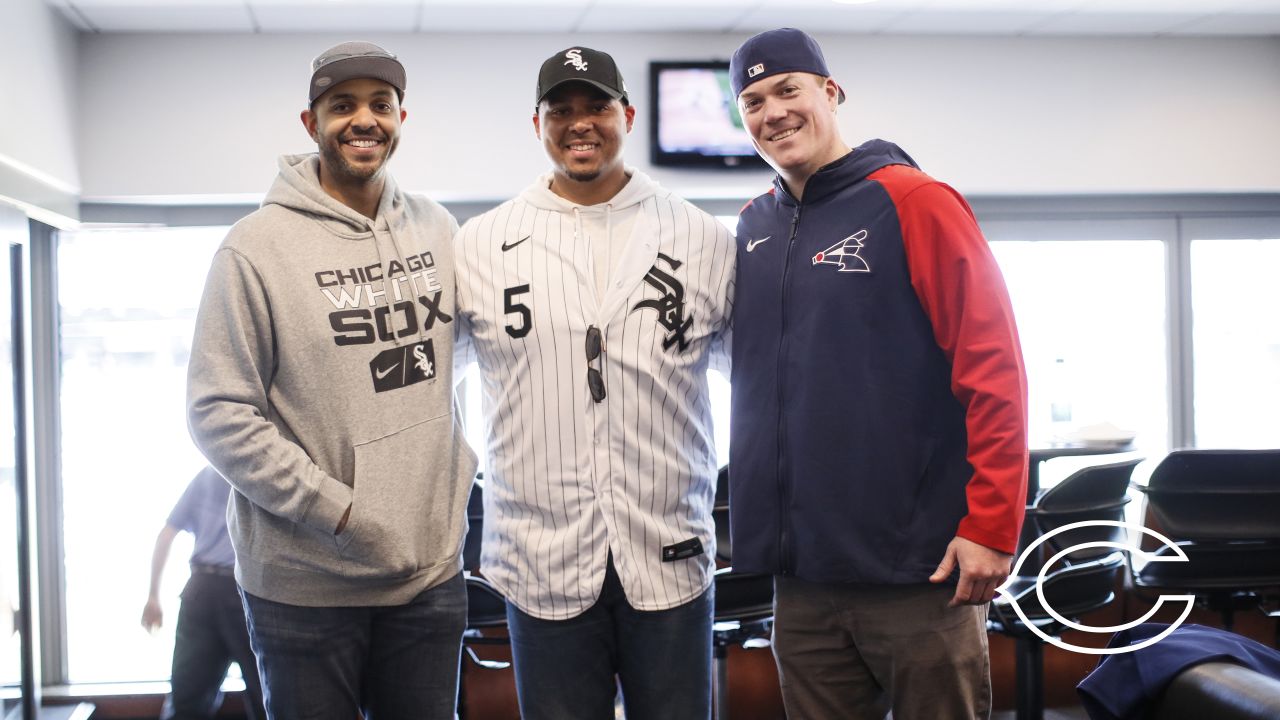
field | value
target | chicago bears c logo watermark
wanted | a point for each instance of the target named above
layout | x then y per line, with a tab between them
1133	551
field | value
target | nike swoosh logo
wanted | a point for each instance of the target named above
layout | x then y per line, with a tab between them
506	247
751	244
383	373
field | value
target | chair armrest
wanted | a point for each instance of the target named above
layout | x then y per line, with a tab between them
1219	690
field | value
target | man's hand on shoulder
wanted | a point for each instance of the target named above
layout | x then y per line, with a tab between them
982	570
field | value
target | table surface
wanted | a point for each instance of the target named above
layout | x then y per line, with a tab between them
1047	452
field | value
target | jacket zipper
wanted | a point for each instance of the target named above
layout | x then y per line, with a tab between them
785	561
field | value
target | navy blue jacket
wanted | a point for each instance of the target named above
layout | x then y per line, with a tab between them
879	397
1125	685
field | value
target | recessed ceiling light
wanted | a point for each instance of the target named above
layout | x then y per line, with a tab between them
852	2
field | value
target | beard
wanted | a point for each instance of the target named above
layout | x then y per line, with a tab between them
338	165
582	175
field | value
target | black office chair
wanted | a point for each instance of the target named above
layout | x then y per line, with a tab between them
1082	581
1097	492
743	603
720	514
1222	508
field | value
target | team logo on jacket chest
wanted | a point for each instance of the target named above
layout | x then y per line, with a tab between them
670	306
844	254
399	367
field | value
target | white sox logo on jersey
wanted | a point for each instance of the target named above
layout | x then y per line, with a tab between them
575	59
845	254
670	306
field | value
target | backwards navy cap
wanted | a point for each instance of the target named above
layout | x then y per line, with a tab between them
773	52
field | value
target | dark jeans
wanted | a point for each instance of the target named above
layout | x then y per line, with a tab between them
210	635
566	669
388	663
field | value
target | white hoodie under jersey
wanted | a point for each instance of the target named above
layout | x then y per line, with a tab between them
569	480
321	378
606	227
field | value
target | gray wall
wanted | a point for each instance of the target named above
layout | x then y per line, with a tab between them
38	108
206	115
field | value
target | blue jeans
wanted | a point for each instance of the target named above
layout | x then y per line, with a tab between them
388	663
566	669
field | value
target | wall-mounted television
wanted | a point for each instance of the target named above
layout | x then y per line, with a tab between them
694	120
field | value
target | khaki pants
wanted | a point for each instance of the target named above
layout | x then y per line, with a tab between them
855	651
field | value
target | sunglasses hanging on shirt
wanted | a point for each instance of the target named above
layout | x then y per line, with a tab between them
595	351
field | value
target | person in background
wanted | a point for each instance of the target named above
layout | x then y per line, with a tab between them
320	386
595	302
211	632
878	434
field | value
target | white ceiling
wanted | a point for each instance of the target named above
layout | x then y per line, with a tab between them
991	17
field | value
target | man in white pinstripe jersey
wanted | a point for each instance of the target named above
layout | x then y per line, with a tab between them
594	303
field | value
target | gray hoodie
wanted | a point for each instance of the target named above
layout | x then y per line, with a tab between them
321	378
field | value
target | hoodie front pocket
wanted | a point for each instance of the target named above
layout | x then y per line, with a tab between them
408	498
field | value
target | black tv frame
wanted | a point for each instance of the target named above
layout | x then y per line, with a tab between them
660	158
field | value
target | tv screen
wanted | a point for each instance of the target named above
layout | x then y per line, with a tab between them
694	120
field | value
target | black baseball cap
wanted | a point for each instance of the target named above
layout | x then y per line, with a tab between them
351	60
775	52
581	64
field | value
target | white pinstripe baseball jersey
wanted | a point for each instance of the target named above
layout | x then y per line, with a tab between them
568	479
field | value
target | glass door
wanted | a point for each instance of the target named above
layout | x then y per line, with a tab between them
1235	334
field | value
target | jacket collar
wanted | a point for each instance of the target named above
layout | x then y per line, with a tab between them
853	167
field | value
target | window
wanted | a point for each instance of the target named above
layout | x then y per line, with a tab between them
1236	336
1091	318
1090	301
127	304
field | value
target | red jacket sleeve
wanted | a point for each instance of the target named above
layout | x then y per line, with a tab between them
962	291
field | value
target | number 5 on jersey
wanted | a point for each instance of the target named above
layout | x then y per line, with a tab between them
524	322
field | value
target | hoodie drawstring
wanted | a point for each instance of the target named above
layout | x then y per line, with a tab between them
404	265
608	241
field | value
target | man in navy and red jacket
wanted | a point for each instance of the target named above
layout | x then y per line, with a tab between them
878	448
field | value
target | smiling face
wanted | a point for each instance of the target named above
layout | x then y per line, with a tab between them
582	130
792	121
356	125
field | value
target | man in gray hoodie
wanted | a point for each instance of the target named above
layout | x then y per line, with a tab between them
595	302
320	386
